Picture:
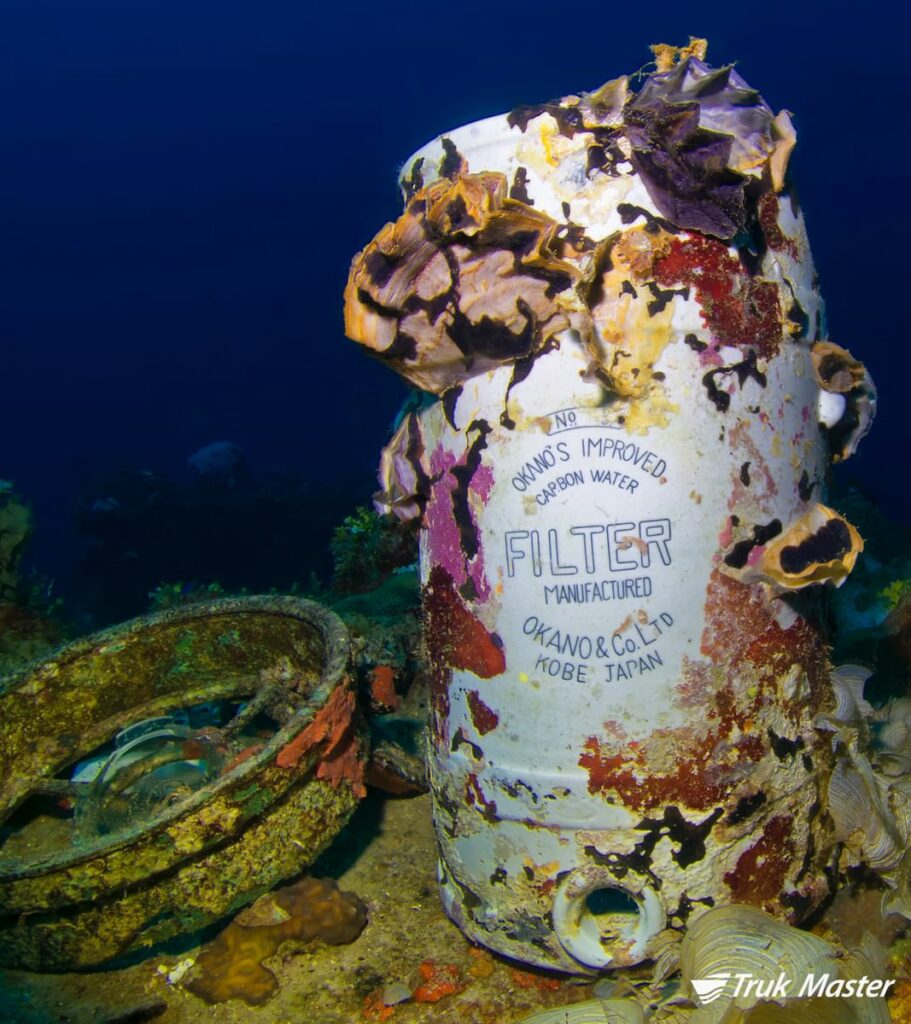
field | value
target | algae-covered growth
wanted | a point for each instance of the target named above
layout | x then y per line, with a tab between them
15	527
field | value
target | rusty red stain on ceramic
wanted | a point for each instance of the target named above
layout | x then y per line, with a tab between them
737	309
694	781
546	887
735	610
696	684
483	717
768	219
760	872
455	637
694	776
475	795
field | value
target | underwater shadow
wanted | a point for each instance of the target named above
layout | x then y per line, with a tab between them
351	843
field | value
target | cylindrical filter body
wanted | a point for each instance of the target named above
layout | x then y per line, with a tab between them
615	516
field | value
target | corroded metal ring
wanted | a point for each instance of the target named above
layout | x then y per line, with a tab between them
259	821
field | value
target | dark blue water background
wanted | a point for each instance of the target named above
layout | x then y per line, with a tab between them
183	187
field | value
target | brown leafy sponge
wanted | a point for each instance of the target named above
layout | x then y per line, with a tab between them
231	967
465	280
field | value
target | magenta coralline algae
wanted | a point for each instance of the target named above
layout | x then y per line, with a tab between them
445	526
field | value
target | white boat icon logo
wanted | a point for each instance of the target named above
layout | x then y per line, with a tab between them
710	988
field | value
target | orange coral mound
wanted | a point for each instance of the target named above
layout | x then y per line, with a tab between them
231	967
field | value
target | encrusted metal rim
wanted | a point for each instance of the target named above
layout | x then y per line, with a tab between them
335	641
